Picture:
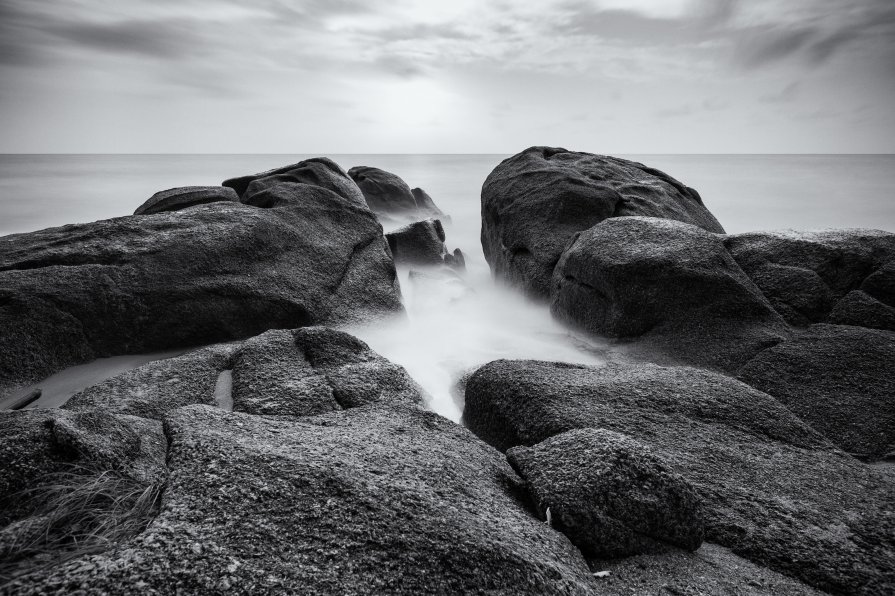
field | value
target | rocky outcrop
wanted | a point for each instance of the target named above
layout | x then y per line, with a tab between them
773	489
672	286
534	202
420	243
389	196
316	172
609	494
369	500
210	273
807	276
838	379
175	199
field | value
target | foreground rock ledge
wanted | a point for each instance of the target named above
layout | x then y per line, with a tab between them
774	490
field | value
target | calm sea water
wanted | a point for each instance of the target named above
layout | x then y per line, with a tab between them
452	328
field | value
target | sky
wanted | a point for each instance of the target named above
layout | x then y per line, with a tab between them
447	76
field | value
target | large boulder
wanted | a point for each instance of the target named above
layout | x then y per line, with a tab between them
205	274
318	172
773	489
534	202
388	195
670	285
175	199
609	494
838	379
370	500
840	276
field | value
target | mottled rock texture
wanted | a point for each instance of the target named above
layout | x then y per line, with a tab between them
534	202
609	494
175	199
419	243
774	490
389	196
316	172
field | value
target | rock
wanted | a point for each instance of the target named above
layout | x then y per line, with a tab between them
369	500
388	195
175	199
212	273
455	261
36	444
534	202
156	388
861	309
315	370
774	490
317	172
806	274
426	206
609	494
420	243
672	286
838	379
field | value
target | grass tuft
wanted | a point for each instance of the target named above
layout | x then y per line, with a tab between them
83	511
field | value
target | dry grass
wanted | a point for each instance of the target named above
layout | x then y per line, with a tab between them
83	511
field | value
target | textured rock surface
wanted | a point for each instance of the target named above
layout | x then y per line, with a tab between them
609	494
388	195
369	500
316	172
175	199
158	387
673	286
838	379
806	275
210	273
419	243
38	443
774	490
315	370
534	202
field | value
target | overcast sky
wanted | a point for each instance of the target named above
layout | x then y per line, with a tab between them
447	76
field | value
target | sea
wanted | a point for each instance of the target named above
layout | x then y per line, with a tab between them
451	328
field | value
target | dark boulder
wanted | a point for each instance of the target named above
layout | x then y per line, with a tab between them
388	195
212	273
370	500
805	275
672	286
420	243
773	489
318	171
609	494
534	202
456	260
175	199
838	379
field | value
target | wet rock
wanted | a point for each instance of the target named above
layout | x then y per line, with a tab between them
534	202
388	195
175	199
773	489
838	379
672	286
420	243
369	500
806	274
426	206
861	309
318	172
609	494
212	273
158	387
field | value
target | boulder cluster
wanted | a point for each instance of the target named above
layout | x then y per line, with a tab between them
738	443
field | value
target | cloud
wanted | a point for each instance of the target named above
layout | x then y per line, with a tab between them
784	95
161	39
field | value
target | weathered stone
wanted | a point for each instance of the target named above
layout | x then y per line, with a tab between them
318	171
671	286
774	490
838	379
609	494
420	243
385	193
534	202
175	199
